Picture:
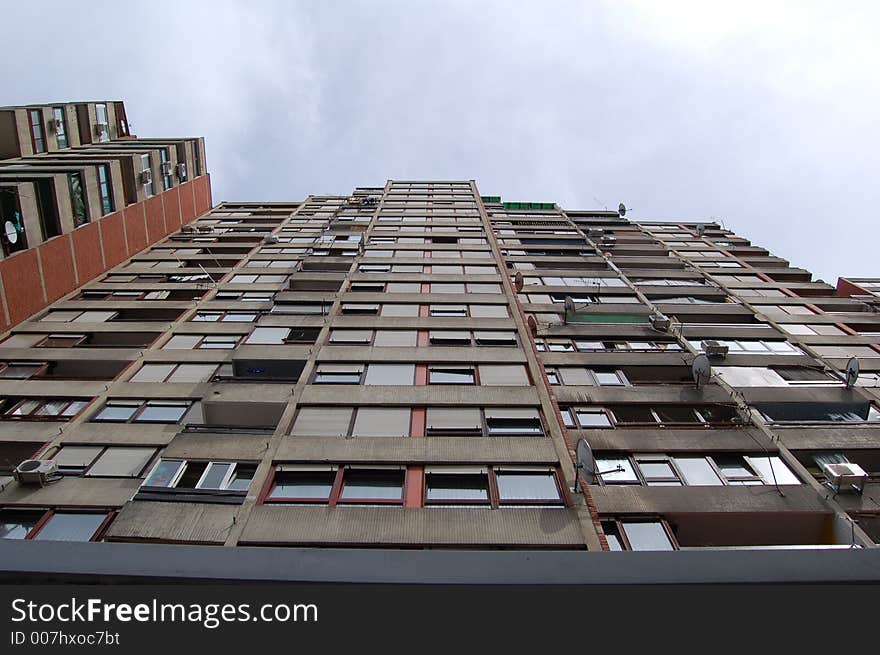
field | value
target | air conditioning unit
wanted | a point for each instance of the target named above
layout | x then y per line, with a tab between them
608	240
181	171
595	232
35	471
54	125
272	238
845	476
167	168
146	177
714	348
101	129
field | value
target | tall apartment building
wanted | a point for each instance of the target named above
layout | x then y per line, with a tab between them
413	366
79	194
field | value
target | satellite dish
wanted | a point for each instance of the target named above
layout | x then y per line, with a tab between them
533	325
585	461
852	372
10	231
621	209
701	369
569	305
518	281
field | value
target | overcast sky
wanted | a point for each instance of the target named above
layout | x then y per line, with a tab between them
759	114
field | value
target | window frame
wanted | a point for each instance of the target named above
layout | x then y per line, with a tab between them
48	514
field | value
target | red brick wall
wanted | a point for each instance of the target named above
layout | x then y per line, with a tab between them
56	262
32	279
89	255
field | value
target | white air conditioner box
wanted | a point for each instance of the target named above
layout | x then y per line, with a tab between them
35	471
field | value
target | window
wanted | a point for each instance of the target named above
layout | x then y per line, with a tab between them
61	341
865	352
105	191
451	375
372	486
457	486
513	421
190	373
165	165
303	485
143	411
528	487
390	374
226	317
21	370
91	316
489	311
268	336
464	421
806	412
580	376
77	199
147	174
634	414
449	311
52	525
202	341
381	422
257	279
337	422
338	485
503	375
338	374
234	478
473	421
60	127
302	308
38	139
639	535
616	470
245	296
585	418
400	310
70	526
18	524
41	409
101	461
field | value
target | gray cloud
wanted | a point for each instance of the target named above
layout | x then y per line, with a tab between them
760	114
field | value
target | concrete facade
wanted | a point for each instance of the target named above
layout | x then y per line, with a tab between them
412	366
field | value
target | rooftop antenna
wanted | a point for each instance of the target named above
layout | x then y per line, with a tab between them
701	370
599	202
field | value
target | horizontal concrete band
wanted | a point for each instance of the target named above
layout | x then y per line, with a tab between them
109	562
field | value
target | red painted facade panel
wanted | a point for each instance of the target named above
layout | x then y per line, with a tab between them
171	205
155	219
202	189
20	275
135	228
71	260
87	252
113	239
187	202
56	260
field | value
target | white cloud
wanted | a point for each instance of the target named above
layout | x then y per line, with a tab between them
761	113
